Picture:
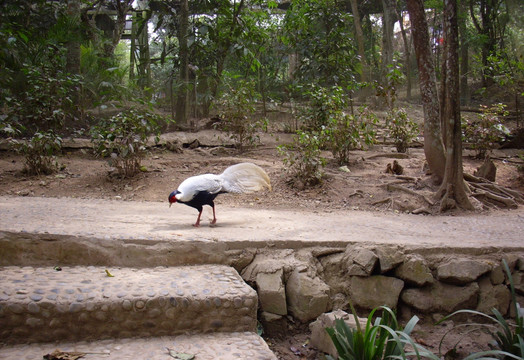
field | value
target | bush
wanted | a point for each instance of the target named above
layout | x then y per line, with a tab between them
401	129
237	106
123	139
303	158
39	152
347	132
487	130
326	105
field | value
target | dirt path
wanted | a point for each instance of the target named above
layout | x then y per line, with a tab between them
156	221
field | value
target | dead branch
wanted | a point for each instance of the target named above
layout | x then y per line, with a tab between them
383	201
407	178
422	210
389	155
391	187
356	192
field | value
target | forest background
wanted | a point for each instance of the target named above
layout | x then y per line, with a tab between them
119	72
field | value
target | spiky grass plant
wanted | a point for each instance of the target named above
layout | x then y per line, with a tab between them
382	338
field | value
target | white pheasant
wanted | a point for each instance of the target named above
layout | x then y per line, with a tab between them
201	190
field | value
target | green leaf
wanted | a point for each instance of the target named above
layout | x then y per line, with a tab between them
180	356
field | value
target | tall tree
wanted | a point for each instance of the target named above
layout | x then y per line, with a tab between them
453	188
182	107
388	23
491	28
433	144
359	34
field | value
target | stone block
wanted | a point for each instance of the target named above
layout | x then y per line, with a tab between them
493	296
307	296
373	291
415	271
388	258
272	292
364	258
462	271
518	282
442	297
497	274
320	338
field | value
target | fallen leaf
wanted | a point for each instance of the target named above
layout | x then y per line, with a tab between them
180	356
109	274
63	355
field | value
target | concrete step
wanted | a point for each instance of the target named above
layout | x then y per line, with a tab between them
84	303
212	346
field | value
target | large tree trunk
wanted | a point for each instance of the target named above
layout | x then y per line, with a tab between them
433	145
464	57
388	22
183	89
407	55
359	34
453	189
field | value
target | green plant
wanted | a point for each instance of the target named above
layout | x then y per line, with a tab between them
39	152
123	139
401	129
388	90
303	158
237	107
508	338
487	130
347	132
382	338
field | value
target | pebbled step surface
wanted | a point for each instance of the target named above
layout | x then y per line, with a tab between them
214	346
84	303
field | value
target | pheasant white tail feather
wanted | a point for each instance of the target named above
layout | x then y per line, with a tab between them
245	178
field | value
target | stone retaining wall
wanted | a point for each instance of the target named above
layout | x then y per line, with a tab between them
306	283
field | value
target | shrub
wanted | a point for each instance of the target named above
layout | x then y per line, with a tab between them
326	104
303	158
39	152
401	129
237	106
487	130
347	132
123	139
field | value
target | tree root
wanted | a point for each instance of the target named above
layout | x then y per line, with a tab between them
491	194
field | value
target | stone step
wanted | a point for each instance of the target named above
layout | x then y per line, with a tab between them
85	303
212	346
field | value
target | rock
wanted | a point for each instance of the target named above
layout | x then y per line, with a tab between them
462	271
363	257
442	297
273	324
493	296
307	296
520	263
373	291
388	258
320	338
518	282
339	301
497	275
271	292
415	271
